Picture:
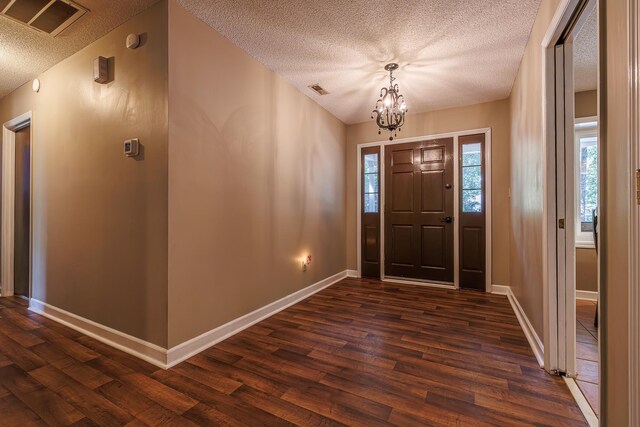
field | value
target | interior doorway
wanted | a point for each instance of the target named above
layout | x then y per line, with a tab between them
15	247
22	212
572	202
424	209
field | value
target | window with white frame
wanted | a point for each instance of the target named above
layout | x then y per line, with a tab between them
586	137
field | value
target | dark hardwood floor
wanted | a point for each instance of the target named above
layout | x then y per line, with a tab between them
358	353
587	352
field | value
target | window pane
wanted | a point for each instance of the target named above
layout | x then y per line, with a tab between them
588	179
471	201
471	154
371	203
371	163
472	177
586	227
371	183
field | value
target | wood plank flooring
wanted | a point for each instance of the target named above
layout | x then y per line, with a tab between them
587	352
358	353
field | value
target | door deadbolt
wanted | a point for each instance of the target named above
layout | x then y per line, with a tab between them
447	186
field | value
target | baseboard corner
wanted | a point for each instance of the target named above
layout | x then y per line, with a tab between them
187	349
129	344
500	289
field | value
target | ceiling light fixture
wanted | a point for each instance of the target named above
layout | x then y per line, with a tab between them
390	108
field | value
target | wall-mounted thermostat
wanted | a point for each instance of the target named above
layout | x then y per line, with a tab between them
101	69
133	41
131	147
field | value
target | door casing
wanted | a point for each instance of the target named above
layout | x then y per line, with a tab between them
8	194
456	147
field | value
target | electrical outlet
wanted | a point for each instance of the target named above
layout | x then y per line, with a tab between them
305	262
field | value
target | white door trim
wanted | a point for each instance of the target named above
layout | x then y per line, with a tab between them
488	169
634	218
9	130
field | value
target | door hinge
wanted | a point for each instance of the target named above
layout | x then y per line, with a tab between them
561	223
638	186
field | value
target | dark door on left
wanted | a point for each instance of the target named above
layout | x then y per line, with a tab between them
22	212
370	212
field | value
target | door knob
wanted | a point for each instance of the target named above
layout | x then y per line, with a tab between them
447	219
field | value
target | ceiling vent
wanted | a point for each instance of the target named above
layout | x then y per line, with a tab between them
318	89
48	16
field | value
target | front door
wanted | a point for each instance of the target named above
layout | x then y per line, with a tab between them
419	221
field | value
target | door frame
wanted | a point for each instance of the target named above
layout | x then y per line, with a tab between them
456	204
634	219
7	221
559	305
558	165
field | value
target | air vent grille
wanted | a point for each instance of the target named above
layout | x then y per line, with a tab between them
48	16
318	89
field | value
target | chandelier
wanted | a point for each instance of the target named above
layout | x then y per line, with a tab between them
390	108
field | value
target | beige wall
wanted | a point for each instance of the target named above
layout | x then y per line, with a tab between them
586	269
614	210
99	218
586	104
256	181
526	174
494	115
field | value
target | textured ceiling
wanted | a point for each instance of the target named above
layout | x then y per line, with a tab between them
585	55
451	52
25	53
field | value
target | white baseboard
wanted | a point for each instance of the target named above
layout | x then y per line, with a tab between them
352	273
129	344
160	356
587	295
584	406
500	289
527	328
195	345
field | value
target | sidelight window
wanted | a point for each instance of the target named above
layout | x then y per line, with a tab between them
371	183
472	177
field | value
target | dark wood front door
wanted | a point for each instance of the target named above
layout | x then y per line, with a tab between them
472	212
419	197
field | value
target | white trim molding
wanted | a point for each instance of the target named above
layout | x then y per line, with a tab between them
500	289
144	350
587	295
195	345
9	130
529	332
634	217
584	406
353	273
160	356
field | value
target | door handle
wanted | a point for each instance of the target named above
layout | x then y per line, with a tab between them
447	219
